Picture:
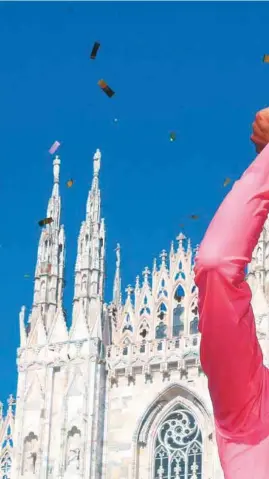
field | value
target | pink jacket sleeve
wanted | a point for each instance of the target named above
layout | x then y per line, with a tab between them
230	353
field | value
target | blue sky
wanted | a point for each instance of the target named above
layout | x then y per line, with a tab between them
192	68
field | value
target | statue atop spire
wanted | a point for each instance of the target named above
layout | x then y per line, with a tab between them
118	256
96	162
56	169
117	279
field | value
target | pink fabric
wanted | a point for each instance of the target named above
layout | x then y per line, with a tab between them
54	147
230	353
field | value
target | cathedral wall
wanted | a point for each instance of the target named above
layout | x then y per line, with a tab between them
127	403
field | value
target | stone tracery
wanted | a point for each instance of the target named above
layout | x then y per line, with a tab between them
178	447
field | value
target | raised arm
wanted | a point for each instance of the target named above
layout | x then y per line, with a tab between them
230	353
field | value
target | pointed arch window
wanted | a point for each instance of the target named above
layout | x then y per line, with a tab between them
194	326
143	330
178	447
160	332
127	324
162	290
162	311
125	350
178	320
178	312
180	275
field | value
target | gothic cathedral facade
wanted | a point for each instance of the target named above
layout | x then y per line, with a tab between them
120	394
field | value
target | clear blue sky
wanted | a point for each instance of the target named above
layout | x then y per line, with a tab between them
192	68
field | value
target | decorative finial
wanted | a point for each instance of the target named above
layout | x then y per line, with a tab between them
137	285
163	256
146	274
56	169
172	251
189	245
22	314
129	290
154	267
96	162
181	237
10	401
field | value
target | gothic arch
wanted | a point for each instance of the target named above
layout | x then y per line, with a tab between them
143	330
173	396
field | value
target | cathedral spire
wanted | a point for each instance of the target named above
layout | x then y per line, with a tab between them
49	273
117	280
89	270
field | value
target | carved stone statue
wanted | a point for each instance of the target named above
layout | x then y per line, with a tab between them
30	453
96	162
30	462
73	450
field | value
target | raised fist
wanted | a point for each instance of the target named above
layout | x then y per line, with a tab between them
260	135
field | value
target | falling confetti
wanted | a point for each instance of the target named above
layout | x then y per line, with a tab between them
27	276
54	147
194	217
45	221
265	58
69	183
104	86
115	120
172	136
95	49
226	181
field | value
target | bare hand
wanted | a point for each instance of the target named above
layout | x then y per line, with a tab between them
260	135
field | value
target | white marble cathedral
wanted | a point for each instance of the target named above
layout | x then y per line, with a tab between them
121	395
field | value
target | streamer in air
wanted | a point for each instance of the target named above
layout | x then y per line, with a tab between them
54	147
95	49
45	221
104	86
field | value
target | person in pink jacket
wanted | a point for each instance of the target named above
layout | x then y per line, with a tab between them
231	356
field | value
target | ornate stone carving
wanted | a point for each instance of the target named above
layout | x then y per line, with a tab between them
30	453
73	453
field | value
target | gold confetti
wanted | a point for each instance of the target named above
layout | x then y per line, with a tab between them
265	58
226	181
45	221
194	217
69	183
104	86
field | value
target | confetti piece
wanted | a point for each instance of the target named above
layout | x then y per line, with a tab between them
226	181
172	136
95	49
115	120
45	221
265	58
104	86
194	217
69	183
54	147
26	276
